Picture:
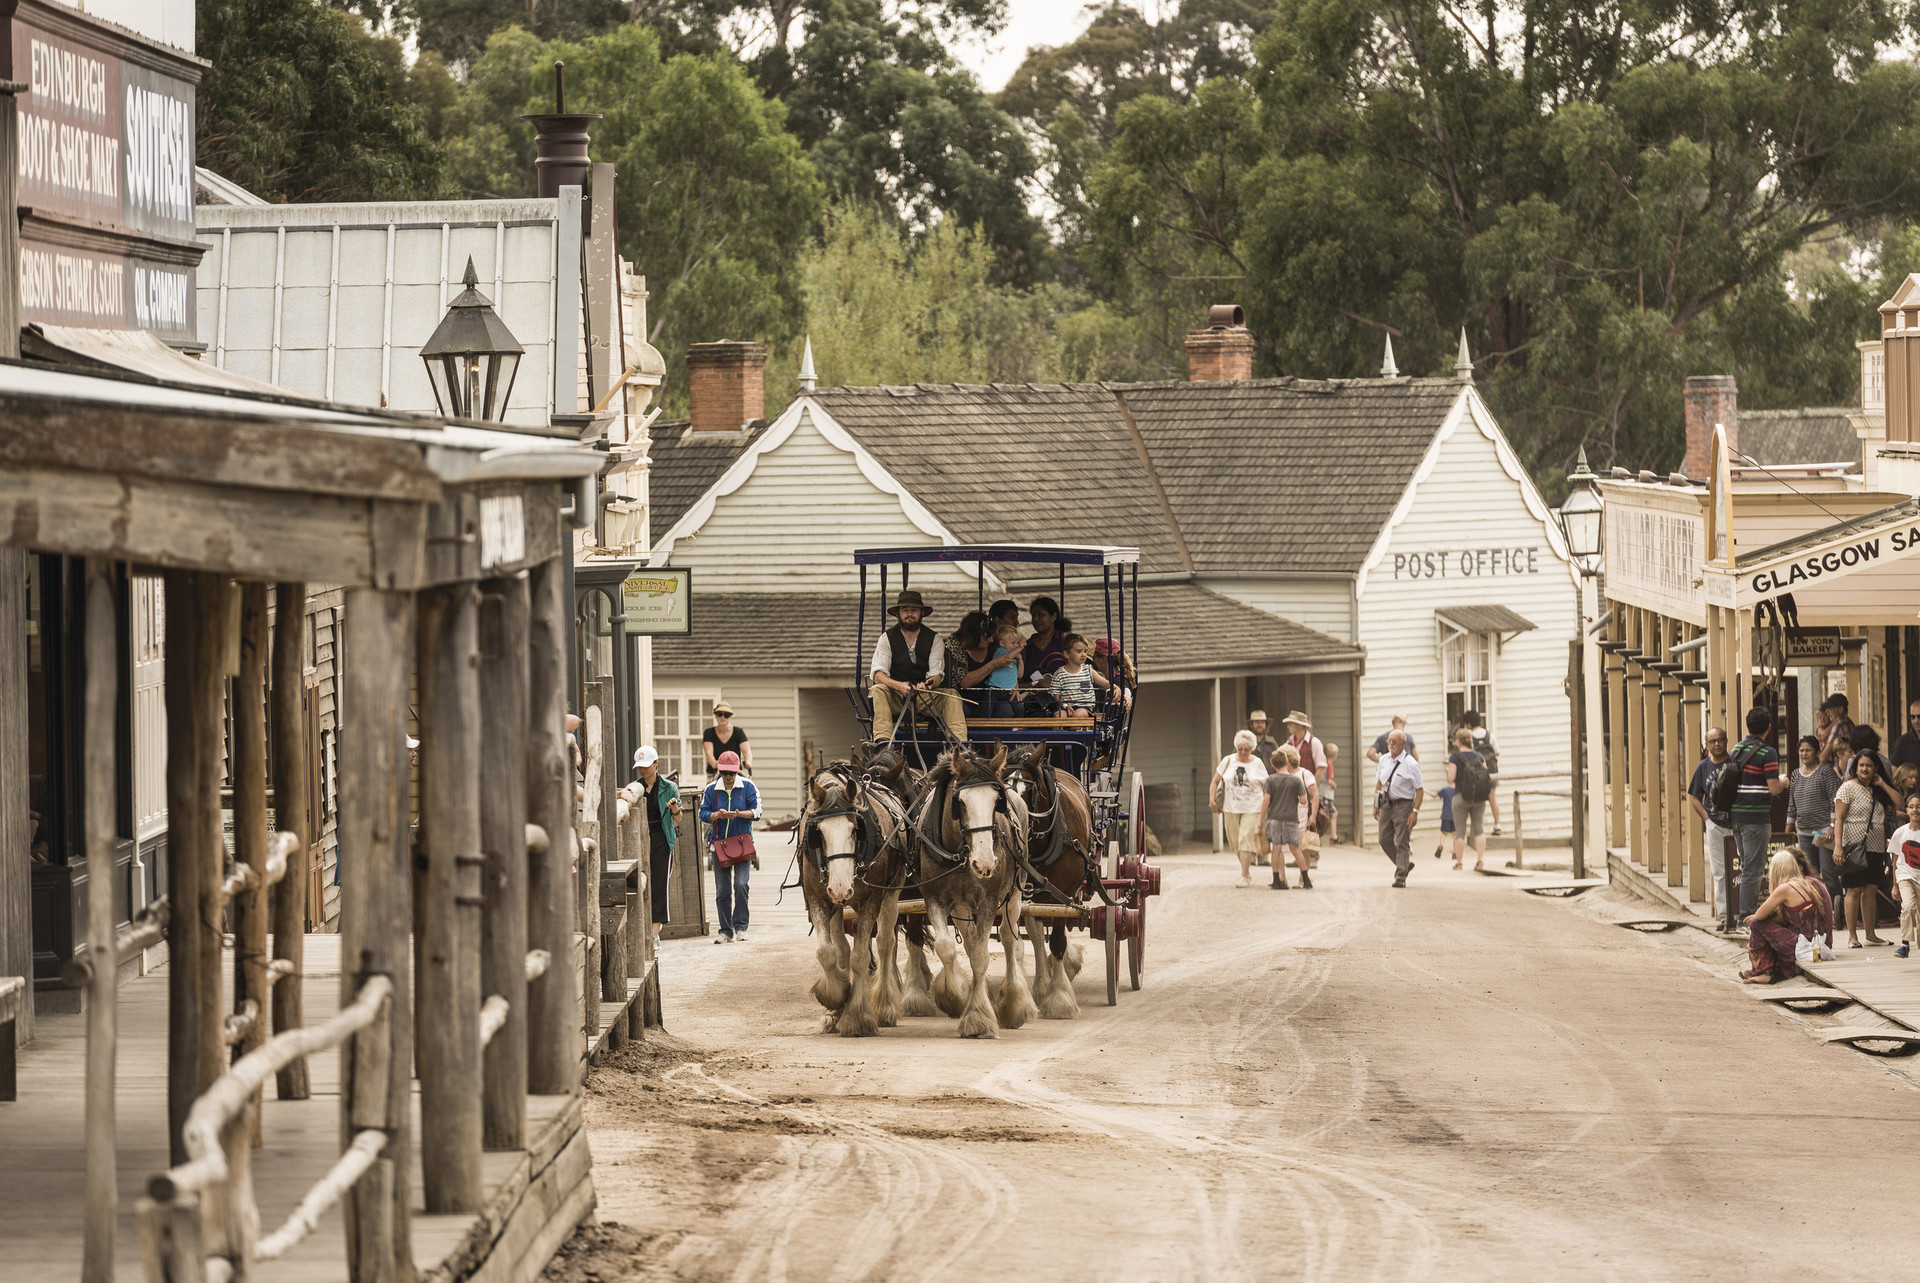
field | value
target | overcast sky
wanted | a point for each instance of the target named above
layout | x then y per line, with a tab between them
1029	22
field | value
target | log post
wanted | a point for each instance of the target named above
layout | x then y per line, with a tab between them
448	953
291	771
1616	730
250	983
1635	735
1653	643
554	1047
503	839
102	664
597	742
1674	767
375	917
197	616
1692	701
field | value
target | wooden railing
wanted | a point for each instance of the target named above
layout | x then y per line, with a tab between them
200	1220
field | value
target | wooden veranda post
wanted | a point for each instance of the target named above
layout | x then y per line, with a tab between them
1653	642
1616	668
503	838
291	771
197	615
375	919
1673	766
249	775
102	741
448	954
554	1036
1692	702
1635	735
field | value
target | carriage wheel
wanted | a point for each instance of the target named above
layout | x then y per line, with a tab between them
1113	958
1137	946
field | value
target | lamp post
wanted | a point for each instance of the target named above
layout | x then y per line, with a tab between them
471	357
1580	518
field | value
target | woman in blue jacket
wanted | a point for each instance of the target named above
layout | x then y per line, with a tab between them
729	806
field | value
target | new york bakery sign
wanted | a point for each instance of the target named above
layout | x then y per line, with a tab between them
106	154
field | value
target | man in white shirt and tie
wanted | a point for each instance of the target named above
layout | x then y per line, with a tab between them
1397	804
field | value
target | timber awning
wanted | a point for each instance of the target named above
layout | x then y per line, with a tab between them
1484	619
1858	571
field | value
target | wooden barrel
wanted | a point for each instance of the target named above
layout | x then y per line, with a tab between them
1166	814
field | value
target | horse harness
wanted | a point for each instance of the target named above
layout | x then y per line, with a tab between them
867	839
948	796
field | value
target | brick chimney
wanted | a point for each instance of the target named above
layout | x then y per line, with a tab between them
1222	351
1711	399
728	385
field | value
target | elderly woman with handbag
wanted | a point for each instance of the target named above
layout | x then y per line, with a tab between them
729	805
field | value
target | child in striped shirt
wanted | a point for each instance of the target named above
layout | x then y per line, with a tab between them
1073	681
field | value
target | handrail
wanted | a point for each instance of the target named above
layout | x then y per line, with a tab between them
279	847
147	929
327	1191
493	1014
537	962
223	1101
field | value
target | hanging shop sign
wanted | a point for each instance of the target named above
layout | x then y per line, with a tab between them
659	601
106	174
1806	648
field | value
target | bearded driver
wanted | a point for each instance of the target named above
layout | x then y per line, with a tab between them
909	663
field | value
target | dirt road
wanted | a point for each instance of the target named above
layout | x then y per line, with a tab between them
1452	1081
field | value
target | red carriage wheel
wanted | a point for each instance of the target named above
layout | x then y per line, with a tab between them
1137	946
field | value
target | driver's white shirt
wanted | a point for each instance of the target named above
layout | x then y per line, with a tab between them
883	655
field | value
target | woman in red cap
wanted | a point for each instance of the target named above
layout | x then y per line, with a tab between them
729	806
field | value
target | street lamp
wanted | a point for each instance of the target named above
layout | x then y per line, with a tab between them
472	357
1580	518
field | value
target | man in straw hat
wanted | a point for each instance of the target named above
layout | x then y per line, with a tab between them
1313	754
909	663
1264	744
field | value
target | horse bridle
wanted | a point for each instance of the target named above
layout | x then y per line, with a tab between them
954	804
867	842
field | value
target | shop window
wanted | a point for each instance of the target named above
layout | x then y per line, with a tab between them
679	719
1467	662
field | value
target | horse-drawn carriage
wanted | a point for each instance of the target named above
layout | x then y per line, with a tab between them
1028	819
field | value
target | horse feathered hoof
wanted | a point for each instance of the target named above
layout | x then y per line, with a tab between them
1015	1008
858	1025
976	1024
831	991
1076	958
1059	1004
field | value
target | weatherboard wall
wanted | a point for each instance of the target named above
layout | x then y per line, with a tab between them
1471	532
1324	605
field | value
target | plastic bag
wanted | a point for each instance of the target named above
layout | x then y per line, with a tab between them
1812	950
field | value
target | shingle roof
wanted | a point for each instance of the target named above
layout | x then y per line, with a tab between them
685	463
1182	628
1262	475
1485	619
1781	437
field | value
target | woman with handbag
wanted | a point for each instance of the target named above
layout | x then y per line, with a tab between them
1860	853
728	806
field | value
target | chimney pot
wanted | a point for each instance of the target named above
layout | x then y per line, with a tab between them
560	142
1711	399
727	385
1223	352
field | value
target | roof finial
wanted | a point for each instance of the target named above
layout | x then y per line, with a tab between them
1463	364
1388	370
472	278
808	380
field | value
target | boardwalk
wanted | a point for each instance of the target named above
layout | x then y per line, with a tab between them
40	1154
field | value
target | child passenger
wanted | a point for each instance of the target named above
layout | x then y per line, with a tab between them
1001	681
1073	681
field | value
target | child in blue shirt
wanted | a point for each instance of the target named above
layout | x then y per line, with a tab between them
1002	680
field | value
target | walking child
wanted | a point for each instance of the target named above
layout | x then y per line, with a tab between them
1906	875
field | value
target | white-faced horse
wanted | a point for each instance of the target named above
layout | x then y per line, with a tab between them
968	825
852	842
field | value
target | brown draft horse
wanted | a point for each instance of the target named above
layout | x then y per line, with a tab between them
852	842
968	824
1060	850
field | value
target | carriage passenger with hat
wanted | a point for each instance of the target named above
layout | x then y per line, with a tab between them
909	663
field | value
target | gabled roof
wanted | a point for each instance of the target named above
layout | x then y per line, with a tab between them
685	463
1777	438
1294	475
1183	629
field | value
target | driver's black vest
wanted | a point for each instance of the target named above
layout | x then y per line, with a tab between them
909	666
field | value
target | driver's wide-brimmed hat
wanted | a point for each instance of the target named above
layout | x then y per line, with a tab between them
1298	718
911	599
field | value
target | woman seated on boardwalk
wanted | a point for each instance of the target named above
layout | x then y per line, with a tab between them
1798	906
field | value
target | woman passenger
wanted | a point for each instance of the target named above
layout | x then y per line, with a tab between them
1045	651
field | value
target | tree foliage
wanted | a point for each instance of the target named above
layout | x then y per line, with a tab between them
716	201
1607	199
303	103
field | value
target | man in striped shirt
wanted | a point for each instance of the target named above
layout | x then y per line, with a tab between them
1760	779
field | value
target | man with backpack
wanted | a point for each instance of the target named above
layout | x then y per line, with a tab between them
1718	824
1751	794
1473	784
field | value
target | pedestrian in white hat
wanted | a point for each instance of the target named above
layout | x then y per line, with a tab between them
660	797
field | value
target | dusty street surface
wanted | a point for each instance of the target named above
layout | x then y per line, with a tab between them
1455	1081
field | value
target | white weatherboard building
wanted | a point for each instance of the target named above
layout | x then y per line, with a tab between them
1352	549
